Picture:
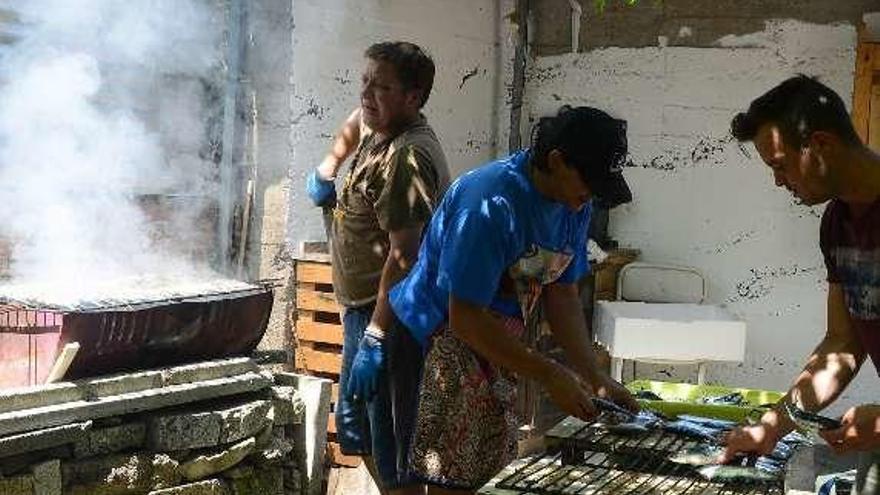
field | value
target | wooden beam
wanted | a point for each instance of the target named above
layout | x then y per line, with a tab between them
861	106
320	273
874	119
337	457
320	361
313	331
316	301
331	424
62	362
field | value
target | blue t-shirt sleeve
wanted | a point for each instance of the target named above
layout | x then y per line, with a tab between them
580	264
474	252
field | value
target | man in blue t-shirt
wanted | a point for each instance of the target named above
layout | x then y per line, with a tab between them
504	235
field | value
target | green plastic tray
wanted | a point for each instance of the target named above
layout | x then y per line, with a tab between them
683	398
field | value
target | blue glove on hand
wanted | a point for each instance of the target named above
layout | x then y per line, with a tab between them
321	191
367	367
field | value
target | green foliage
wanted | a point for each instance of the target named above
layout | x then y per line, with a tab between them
600	4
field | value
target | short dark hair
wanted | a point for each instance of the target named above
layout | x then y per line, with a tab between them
582	135
800	106
414	67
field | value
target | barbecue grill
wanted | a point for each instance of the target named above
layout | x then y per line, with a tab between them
163	327
586	458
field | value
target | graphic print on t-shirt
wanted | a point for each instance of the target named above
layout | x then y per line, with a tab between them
535	268
859	272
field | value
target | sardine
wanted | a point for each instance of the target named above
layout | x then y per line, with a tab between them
630	428
736	474
698	455
731	399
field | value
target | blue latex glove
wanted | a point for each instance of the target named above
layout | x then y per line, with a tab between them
366	368
322	192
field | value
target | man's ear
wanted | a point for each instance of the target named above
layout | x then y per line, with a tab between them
414	98
555	159
822	141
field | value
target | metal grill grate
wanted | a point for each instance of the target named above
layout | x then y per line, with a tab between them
14	319
573	435
601	473
585	458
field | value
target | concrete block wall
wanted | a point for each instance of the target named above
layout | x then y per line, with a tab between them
677	22
701	199
221	427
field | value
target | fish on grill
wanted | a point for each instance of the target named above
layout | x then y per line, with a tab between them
698	455
737	474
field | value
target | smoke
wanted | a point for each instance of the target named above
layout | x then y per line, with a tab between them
108	122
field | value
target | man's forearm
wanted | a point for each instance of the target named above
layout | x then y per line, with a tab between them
830	368
486	335
833	364
392	272
566	318
344	144
402	253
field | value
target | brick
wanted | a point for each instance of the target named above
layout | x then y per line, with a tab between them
206	465
43	439
47	478
61	414
18	485
183	431
287	406
120	474
261	481
103	441
207	487
190	430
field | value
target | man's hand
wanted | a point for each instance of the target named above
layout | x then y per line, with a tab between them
569	393
606	387
758	439
321	189
860	430
366	368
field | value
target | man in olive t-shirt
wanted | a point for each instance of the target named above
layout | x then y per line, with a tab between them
396	178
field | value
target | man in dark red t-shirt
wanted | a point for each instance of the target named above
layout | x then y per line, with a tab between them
804	134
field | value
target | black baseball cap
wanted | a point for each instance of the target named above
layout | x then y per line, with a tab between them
595	144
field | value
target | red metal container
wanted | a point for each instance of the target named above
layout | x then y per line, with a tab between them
135	337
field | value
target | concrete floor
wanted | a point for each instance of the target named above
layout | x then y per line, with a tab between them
349	481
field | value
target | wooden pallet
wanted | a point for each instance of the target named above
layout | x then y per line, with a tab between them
318	330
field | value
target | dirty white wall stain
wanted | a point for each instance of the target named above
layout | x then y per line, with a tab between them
329	39
699	201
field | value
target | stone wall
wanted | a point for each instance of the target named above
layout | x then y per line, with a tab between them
220	427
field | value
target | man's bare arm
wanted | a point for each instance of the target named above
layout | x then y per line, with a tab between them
484	332
402	254
829	369
346	141
834	362
566	318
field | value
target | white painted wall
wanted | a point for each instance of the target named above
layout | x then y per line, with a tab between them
329	39
698	200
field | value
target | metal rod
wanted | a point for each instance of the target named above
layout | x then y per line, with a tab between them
228	189
520	473
519	75
536	481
